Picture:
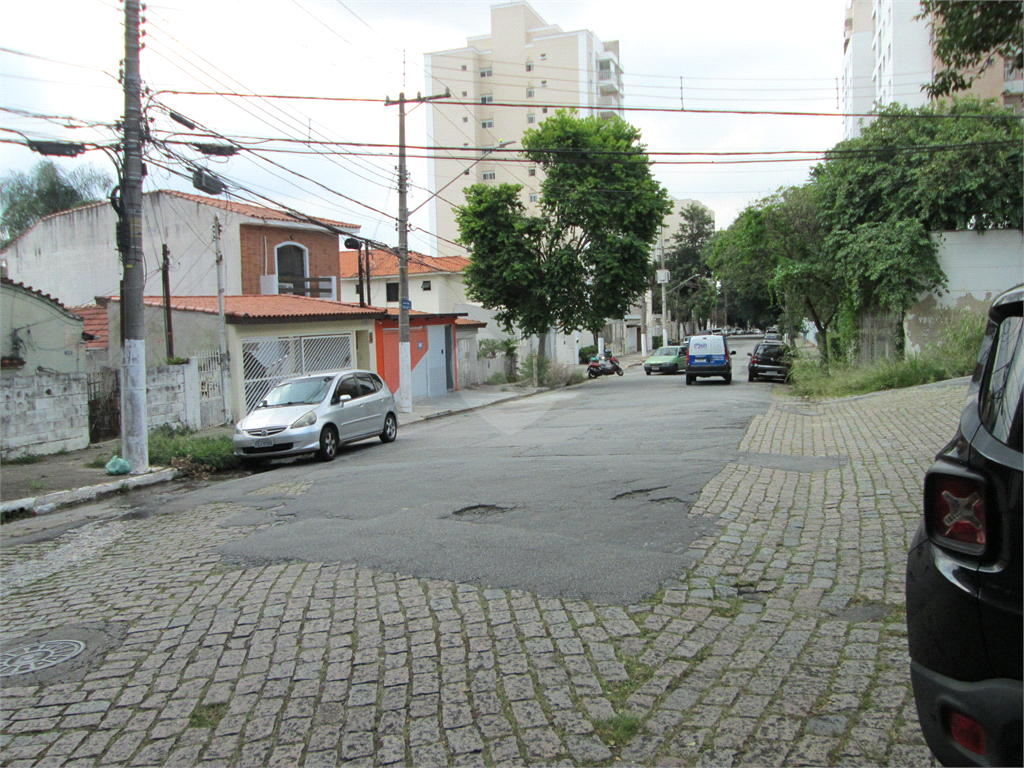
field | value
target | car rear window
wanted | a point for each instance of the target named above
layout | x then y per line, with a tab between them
1003	383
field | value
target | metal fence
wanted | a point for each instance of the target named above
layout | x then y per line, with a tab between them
212	408
266	361
104	391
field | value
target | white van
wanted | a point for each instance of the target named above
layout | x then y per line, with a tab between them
708	356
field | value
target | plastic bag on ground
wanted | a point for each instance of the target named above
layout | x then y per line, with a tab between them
118	466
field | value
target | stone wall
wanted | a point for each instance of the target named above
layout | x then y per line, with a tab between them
45	413
49	413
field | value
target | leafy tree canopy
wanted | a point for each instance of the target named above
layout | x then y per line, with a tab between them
28	197
971	179
967	34
887	266
585	256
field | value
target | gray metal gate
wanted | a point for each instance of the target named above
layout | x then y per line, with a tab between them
266	361
104	389
211	395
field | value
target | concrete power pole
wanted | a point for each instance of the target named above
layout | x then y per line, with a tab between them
224	355
404	305
134	426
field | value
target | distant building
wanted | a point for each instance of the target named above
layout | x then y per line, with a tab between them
524	61
887	57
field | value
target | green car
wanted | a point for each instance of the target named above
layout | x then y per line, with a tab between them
666	360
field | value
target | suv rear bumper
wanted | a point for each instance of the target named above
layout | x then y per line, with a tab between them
995	704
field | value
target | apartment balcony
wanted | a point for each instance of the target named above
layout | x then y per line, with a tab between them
609	106
609	81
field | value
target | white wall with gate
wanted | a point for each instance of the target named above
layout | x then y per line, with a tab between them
268	360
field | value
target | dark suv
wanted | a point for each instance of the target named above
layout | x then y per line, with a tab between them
964	577
769	358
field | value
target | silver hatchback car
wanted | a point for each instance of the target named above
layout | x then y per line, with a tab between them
317	414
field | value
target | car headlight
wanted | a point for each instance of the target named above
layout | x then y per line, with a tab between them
306	421
238	429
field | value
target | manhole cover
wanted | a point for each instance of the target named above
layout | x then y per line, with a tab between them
32	658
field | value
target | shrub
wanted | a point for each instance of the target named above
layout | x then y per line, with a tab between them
549	374
497	378
586	353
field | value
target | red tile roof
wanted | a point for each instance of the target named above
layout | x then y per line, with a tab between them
269	306
248	209
95	318
385	264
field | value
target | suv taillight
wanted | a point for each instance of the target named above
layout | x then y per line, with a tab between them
955	512
967	732
754	359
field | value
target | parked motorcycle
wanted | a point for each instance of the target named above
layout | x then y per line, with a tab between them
603	365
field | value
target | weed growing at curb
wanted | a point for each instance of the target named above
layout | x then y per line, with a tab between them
207	715
619	730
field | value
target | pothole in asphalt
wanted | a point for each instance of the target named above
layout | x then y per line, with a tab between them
480	510
638	492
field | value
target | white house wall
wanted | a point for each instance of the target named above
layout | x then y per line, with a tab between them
978	267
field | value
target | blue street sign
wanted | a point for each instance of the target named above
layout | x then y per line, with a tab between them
406	303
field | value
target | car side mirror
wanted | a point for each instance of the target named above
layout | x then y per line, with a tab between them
733	352
340	399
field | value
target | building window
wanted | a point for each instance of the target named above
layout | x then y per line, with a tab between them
485	73
544	110
486	99
529	66
531	172
486	123
543	56
534	197
292	269
463	67
529	93
465	94
425	285
543	83
531	118
465	119
392	291
488	175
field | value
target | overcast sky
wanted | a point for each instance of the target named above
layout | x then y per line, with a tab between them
743	55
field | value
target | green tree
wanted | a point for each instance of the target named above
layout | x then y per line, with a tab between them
970	178
968	35
585	256
887	266
806	279
28	197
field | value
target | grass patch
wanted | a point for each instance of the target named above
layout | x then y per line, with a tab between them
728	609
207	715
179	446
100	461
953	355
549	374
619	730
639	673
28	458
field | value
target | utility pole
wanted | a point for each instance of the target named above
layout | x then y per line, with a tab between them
404	305
224	357
165	278
134	436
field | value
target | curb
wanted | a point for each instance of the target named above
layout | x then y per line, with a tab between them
51	502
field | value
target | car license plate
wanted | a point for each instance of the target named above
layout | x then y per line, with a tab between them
655	367
266	442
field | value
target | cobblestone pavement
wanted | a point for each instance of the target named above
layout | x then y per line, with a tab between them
784	644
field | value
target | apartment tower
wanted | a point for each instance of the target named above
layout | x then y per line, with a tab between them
502	84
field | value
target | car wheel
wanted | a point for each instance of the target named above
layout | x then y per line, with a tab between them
251	464
728	378
647	372
751	377
328	444
689	379
390	429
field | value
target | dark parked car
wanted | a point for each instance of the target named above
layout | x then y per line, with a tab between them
769	358
964	577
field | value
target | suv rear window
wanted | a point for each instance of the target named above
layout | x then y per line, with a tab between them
1000	396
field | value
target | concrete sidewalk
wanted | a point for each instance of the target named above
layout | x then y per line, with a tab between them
49	483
